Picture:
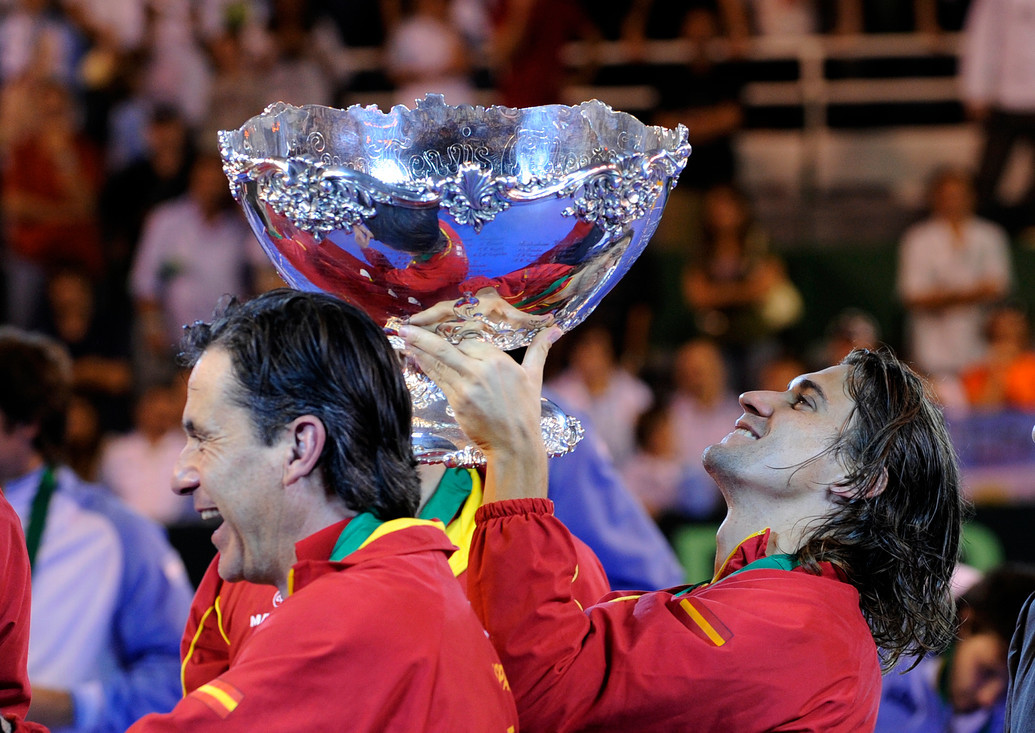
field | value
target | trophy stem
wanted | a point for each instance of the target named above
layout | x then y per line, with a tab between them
437	438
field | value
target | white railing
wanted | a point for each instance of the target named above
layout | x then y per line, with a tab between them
812	156
812	90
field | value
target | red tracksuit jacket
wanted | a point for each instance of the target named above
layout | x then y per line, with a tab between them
382	641
761	650
223	615
14	621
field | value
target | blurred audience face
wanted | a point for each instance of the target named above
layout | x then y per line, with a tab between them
158	411
700	26
952	196
1008	327
226	52
593	356
724	210
979	674
660	438
54	109
70	295
83	436
778	373
699	371
208	185
851	330
166	132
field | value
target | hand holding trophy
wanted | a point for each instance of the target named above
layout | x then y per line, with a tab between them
490	223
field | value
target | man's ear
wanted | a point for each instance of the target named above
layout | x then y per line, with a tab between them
846	490
307	436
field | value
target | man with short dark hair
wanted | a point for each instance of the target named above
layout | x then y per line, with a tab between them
836	554
298	438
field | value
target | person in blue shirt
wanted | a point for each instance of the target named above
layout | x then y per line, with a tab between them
964	689
109	594
590	497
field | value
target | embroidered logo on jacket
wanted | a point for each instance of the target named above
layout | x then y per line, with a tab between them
501	676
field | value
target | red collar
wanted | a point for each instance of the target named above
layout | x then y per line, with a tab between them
313	552
750	549
318	546
755	547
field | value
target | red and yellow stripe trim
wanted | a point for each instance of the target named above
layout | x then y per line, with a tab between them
220	696
700	620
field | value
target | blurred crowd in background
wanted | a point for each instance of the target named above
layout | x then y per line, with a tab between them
117	227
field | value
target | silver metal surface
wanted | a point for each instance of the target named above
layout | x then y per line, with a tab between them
489	222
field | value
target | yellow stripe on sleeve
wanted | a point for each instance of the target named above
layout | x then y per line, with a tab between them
221	701
698	619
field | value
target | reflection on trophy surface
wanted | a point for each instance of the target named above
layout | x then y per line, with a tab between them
489	223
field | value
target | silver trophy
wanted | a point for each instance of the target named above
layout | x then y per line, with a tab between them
481	222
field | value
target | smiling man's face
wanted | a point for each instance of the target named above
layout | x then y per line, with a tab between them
779	445
232	474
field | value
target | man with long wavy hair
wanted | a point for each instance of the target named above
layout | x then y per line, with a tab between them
834	559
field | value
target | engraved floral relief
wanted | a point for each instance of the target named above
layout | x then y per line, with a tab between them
488	223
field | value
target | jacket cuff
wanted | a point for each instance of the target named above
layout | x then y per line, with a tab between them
512	508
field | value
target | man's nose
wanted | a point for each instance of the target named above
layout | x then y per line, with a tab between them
758	402
185	479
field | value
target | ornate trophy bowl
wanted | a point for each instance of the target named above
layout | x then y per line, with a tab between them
480	222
